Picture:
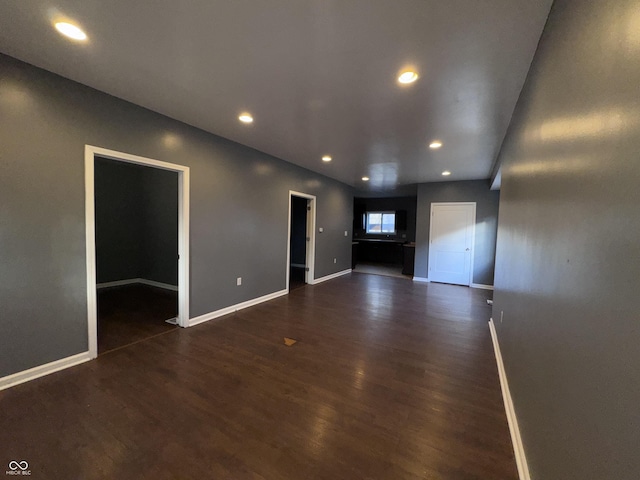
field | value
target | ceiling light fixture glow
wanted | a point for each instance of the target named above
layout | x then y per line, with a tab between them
326	158
365	179
245	118
435	144
408	77
446	173
71	31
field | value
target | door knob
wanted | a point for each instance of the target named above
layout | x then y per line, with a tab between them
467	250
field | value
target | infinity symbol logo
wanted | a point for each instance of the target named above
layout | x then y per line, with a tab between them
23	465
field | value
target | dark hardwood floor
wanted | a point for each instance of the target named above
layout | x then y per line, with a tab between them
132	313
388	379
296	278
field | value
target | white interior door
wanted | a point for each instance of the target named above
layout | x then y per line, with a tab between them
451	242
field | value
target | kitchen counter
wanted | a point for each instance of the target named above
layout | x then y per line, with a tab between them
380	240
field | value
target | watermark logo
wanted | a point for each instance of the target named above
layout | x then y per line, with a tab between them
18	467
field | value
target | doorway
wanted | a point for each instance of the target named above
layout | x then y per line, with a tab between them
301	240
451	242
141	287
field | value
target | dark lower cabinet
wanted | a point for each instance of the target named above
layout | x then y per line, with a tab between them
380	252
354	254
384	251
409	257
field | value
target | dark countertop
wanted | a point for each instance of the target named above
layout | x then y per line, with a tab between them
380	240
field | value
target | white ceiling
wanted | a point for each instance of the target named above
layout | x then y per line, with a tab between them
319	76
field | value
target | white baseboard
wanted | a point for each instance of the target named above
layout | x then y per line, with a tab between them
234	308
516	439
144	281
153	283
482	286
329	277
117	283
421	280
42	370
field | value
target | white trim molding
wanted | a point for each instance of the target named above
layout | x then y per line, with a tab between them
315	281
117	283
481	286
421	280
42	370
234	308
131	281
310	258
153	283
90	152
514	430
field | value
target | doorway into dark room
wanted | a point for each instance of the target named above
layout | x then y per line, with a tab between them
136	227
298	241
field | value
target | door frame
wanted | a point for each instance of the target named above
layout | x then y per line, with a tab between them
90	152
473	235
310	259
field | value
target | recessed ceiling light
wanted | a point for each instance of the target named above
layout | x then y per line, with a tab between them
408	77
446	173
71	31
245	118
326	158
435	144
365	179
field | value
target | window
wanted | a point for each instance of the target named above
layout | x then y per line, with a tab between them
380	222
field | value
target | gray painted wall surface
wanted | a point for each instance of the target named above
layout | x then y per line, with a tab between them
136	222
160	225
120	242
486	223
568	262
239	210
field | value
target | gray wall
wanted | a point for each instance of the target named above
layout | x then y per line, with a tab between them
160	225
239	210
568	261
486	223
119	214
136	222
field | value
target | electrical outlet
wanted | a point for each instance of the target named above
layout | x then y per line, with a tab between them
239	281
321	229
335	260
501	315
